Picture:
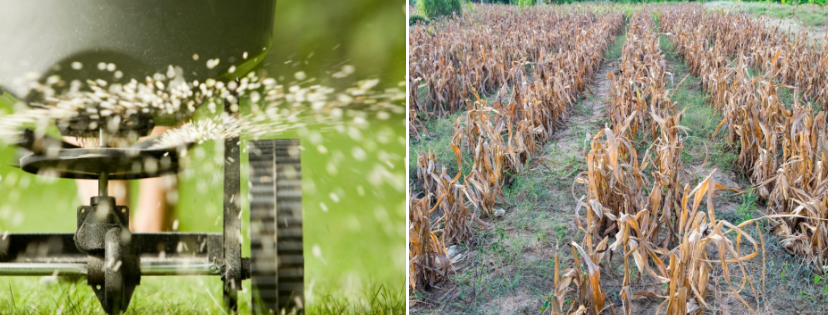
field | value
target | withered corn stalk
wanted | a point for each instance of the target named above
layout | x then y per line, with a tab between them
781	150
800	195
431	230
414	126
427	258
477	53
503	135
426	167
754	116
638	88
486	52
684	267
797	60
666	236
453	221
639	98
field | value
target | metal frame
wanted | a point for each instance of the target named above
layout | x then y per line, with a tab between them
232	275
162	254
101	238
60	247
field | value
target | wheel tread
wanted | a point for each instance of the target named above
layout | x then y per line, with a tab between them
276	221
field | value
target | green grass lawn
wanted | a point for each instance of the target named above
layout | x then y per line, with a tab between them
808	15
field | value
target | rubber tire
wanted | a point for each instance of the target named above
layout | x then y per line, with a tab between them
277	259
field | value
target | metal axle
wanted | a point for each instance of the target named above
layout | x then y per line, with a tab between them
103	177
76	269
103	184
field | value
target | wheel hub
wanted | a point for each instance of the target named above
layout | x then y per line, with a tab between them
113	265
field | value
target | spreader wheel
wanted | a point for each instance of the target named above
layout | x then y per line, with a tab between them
277	261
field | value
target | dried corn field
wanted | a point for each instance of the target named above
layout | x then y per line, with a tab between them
782	146
534	79
483	51
670	240
572	118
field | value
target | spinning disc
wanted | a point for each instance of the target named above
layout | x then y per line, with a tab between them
119	163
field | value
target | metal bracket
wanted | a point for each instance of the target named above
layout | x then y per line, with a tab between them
232	276
95	220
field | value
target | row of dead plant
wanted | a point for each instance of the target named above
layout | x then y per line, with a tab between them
661	234
481	51
754	116
640	78
783	151
794	59
501	136
683	273
438	218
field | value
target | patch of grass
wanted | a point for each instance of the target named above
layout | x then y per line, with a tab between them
747	208
700	118
513	261
789	282
761	10
788	95
581	109
377	301
173	295
808	15
568	163
415	18
614	50
155	295
813	18
724	157
437	139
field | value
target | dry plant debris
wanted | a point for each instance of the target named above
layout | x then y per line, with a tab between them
782	146
490	52
665	236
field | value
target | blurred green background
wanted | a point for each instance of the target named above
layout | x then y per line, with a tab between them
353	181
368	34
